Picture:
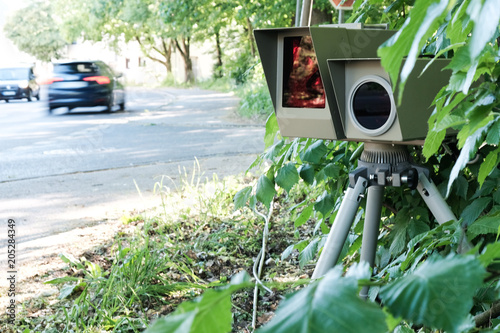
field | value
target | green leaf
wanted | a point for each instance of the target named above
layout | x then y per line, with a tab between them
327	306
325	203
424	20
438	294
274	151
433	142
315	152
490	162
398	244
493	137
241	198
485	26
68	289
304	216
461	187
209	313
484	225
489	254
62	280
265	190
308	253
467	151
472	211
331	170
271	129
287	252
287	176
307	173
69	259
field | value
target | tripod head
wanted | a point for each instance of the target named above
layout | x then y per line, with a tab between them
383	164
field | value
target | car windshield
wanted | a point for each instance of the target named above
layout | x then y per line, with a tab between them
13	73
77	67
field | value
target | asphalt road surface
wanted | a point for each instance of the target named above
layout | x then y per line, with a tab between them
68	170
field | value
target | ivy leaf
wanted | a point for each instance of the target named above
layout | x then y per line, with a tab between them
472	211
265	190
438	293
241	198
484	225
315	152
287	176
327	306
209	313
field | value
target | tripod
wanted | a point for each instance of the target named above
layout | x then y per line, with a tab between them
379	166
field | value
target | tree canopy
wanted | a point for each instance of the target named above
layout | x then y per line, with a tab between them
35	31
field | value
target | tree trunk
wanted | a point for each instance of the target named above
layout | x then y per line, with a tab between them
167	56
184	50
218	69
167	48
250	37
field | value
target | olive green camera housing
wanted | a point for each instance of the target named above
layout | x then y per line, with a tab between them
333	107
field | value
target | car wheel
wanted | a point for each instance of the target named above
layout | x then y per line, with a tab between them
6	101
122	106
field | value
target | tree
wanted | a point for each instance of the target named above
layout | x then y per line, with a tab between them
117	21
34	31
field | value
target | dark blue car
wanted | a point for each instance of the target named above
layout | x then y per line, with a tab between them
85	84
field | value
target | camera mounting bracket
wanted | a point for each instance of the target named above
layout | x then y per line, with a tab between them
387	165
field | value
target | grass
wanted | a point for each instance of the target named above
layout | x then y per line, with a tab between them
193	241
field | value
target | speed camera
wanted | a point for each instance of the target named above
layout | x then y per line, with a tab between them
328	83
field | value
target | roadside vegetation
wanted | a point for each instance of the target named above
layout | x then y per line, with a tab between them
219	255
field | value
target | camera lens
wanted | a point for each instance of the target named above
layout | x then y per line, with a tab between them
372	106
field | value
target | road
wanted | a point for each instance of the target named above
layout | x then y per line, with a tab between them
68	170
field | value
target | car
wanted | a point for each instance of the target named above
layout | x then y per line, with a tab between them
18	83
86	84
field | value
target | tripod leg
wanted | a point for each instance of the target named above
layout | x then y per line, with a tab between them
371	228
433	199
340	229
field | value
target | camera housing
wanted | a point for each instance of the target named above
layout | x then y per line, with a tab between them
296	85
327	82
368	106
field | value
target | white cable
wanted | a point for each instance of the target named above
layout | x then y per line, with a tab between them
260	261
